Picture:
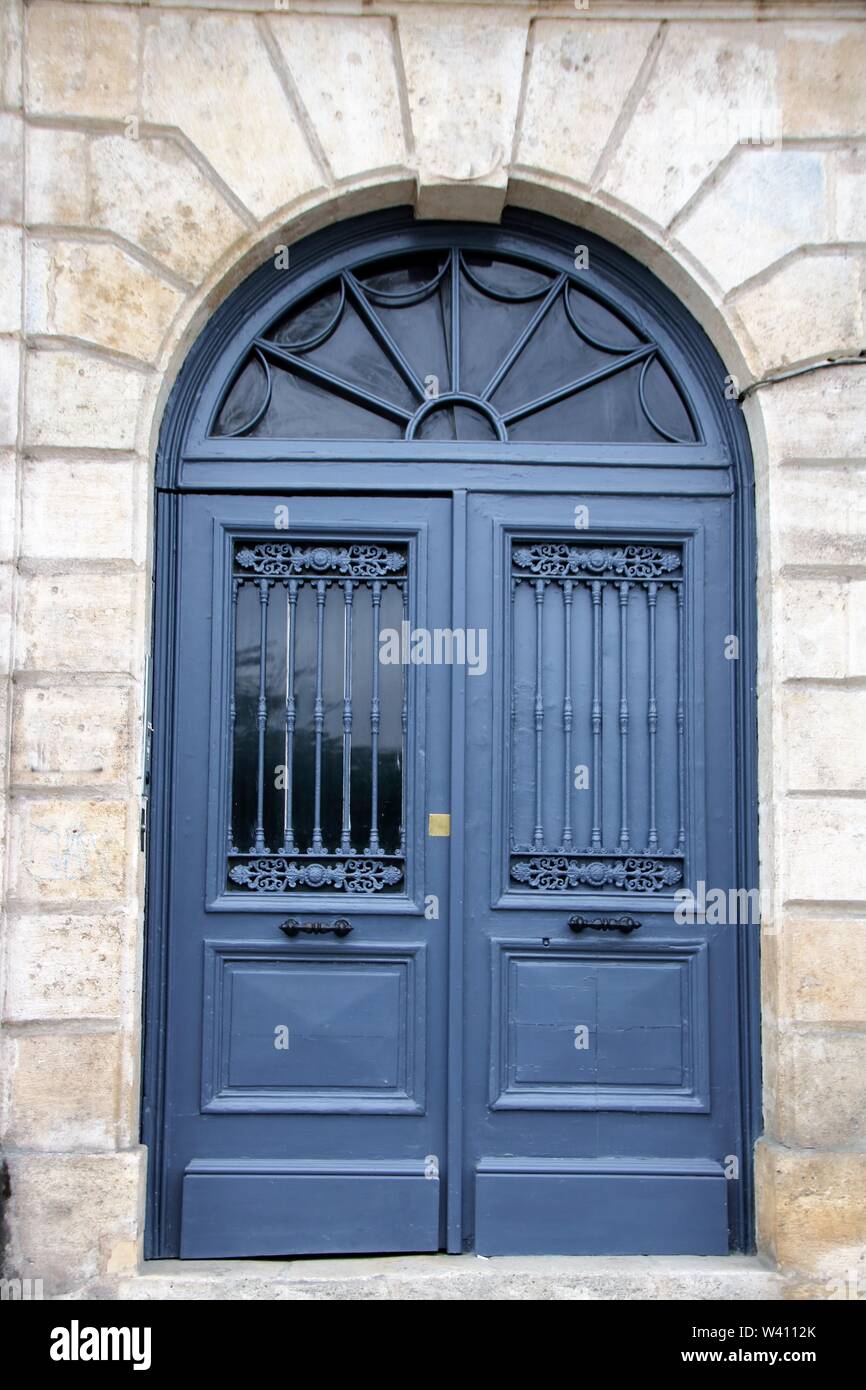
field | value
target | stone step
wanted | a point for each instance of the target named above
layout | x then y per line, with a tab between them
434	1277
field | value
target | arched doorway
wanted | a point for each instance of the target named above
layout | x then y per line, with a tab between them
453	701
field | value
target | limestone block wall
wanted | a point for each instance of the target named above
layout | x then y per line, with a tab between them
150	155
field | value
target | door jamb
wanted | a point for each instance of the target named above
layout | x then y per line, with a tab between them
454	1168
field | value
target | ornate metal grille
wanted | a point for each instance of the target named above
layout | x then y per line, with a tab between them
597	717
316	793
456	344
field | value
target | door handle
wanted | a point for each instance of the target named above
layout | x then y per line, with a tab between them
622	923
292	927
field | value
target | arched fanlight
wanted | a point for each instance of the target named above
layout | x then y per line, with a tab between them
455	343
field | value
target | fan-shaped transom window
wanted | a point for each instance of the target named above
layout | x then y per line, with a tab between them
456	343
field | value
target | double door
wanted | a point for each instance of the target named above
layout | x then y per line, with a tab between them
438	774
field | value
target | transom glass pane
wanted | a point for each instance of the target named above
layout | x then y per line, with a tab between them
512	350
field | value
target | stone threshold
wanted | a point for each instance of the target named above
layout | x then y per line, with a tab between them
436	1277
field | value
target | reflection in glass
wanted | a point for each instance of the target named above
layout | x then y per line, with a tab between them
316	754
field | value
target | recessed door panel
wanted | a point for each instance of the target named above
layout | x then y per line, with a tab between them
584	1028
316	1031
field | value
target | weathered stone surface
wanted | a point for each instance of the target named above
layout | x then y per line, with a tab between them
850	193
10	279
857	628
7	578
812	1208
820	79
71	736
10	371
57	176
150	192
548	1278
820	1097
579	74
63	1090
823	850
833	533
79	621
819	416
81	401
63	851
823	738
11	33
98	293
767	203
707	92
347	79
7	504
822	971
80	509
198	66
65	966
73	1216
812	617
82	60
11	166
463	99
822	313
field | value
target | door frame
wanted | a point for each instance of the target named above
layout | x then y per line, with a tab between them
722	464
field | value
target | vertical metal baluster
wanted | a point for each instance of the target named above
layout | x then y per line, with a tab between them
404	725
512	656
567	714
291	711
597	609
681	720
455	320
624	590
373	846
233	714
538	837
262	714
319	716
346	834
652	715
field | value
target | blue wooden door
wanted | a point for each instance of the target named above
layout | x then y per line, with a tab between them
370	1026
306	987
601	1059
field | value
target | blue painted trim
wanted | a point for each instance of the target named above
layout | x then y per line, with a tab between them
744	564
454	1174
159	852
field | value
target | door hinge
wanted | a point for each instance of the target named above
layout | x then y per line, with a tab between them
142	825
